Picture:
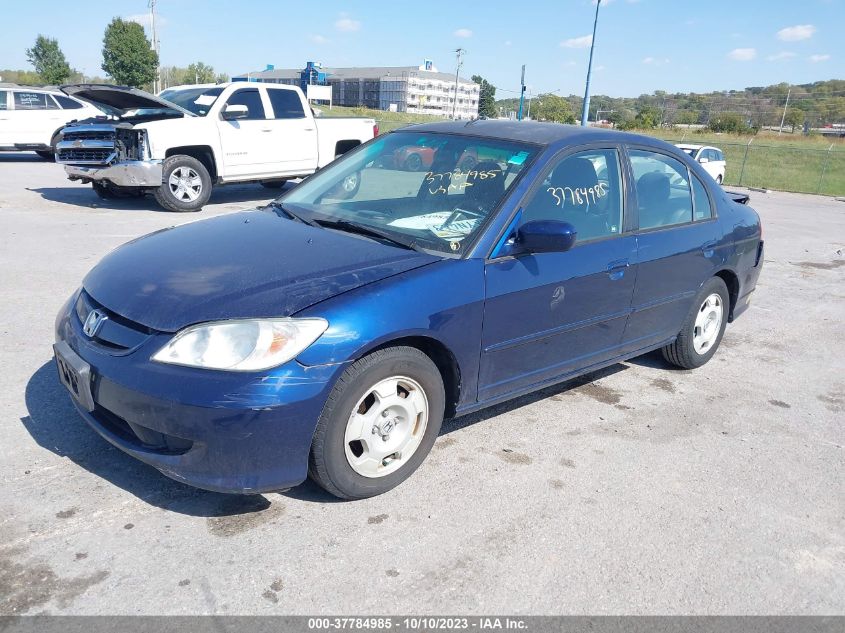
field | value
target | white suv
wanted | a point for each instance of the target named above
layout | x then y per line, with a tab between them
31	118
711	158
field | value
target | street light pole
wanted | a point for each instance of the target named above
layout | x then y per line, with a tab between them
459	52
585	113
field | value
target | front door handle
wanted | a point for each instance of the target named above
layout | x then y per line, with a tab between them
616	269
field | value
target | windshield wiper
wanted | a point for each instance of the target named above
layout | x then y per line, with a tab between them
368	231
293	216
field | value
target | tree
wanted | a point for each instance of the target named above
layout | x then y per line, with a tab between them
794	117
49	60
648	117
486	97
198	73
552	108
729	122
127	54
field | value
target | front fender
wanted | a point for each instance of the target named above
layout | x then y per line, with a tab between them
443	302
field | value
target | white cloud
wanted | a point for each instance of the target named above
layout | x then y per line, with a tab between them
743	54
462	33
818	58
144	20
319	39
781	56
578	42
796	33
346	24
655	61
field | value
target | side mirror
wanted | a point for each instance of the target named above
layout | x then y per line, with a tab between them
234	111
545	236
703	160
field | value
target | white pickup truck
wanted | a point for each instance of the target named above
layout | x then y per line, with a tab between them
180	144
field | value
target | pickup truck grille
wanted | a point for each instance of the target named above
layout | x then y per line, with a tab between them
87	145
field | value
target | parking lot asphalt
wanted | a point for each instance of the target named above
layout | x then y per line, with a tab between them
639	490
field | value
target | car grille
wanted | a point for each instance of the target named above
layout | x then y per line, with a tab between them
87	145
88	135
98	156
116	334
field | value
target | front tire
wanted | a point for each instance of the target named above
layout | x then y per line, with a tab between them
186	184
703	328
378	424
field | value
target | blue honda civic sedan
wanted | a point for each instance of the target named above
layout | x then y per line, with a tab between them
330	332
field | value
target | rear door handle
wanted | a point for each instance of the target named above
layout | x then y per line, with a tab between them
616	269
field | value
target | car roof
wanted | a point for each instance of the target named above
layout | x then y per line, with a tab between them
688	146
545	134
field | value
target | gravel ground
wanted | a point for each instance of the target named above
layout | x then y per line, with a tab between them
639	490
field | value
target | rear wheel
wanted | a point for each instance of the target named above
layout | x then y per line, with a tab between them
186	184
703	328
378	424
413	163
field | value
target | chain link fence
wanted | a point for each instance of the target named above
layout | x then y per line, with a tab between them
784	168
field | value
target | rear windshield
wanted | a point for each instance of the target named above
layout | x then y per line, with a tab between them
196	100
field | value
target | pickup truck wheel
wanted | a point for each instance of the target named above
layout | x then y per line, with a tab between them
378	424
186	184
703	328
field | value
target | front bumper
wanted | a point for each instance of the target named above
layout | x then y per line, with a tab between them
221	431
131	173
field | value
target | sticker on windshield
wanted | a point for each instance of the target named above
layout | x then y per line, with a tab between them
518	159
206	100
439	224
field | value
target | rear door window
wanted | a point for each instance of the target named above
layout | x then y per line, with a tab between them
251	98
67	103
700	199
30	100
664	196
286	104
4	105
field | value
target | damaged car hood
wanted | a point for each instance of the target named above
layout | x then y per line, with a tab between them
125	102
244	265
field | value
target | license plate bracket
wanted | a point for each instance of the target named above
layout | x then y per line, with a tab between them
74	374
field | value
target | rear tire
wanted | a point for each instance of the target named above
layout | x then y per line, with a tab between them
185	186
413	163
393	400
703	328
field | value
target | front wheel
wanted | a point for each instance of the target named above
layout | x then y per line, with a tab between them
186	184
378	424
703	328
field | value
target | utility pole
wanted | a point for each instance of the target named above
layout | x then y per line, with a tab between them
459	53
521	94
783	118
152	6
585	113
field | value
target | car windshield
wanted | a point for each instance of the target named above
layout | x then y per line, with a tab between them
197	100
430	191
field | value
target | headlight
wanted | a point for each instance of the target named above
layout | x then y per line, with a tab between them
241	345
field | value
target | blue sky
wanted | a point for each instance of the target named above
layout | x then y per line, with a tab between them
641	46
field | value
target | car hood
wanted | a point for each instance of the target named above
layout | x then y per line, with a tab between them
251	264
119	100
